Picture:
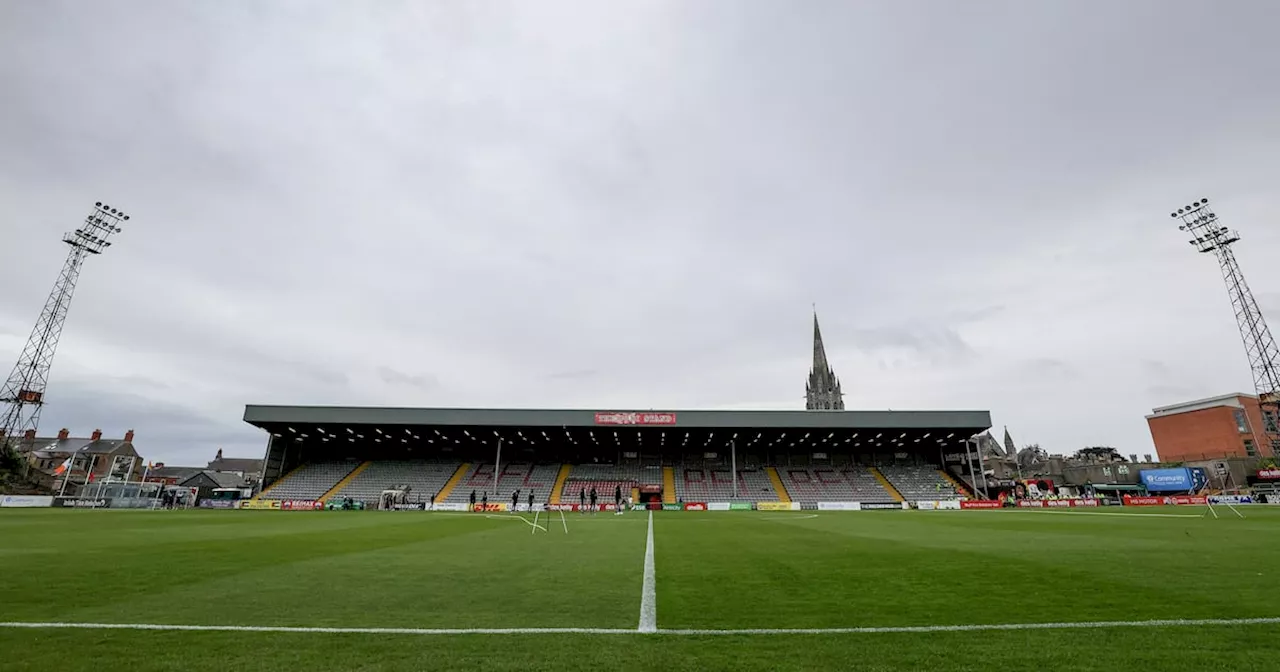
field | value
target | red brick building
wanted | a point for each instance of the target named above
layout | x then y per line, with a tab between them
1231	425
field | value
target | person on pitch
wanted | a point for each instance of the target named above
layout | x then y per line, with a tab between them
515	500
593	500
582	501
617	500
484	501
473	500
530	500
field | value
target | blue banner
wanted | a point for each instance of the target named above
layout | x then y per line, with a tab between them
1167	480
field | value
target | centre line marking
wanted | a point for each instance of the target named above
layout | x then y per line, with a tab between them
649	593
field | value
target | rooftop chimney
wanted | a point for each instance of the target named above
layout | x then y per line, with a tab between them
128	436
219	455
97	435
64	434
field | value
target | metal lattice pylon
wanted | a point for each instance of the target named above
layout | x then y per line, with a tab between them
22	397
1209	236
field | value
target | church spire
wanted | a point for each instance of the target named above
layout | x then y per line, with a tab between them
822	393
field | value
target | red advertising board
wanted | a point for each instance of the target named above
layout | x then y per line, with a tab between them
1190	499
1269	474
631	418
980	504
1055	503
695	506
1131	500
300	505
1179	500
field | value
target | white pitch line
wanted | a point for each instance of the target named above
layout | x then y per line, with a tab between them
649	592
1091	625
1115	513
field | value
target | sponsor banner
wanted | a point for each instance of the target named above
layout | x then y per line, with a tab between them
695	506
1143	500
1167	480
1189	500
740	506
442	506
718	506
82	502
672	507
300	505
217	504
881	506
488	508
25	501
777	506
980	504
260	505
1056	503
562	507
839	506
627	418
927	506
1269	474
1230	499
409	507
949	505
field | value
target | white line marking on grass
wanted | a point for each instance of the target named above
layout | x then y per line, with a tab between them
790	516
1090	625
649	593
1115	513
519	518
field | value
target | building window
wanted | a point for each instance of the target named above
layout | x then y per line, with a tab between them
1242	425
1269	420
1250	449
1275	447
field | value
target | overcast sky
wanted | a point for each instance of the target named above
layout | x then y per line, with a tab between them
634	205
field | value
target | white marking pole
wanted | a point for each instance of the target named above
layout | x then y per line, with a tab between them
648	593
562	522
535	523
1083	625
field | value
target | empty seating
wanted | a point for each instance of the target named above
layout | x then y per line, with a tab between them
424	479
516	476
848	484
716	485
606	478
919	483
310	481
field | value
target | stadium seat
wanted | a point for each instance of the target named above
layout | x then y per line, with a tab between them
696	484
310	481
423	477
818	484
515	476
916	483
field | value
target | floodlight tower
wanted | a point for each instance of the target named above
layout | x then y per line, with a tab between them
22	397
1209	236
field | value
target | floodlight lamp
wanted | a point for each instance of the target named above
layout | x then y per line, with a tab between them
126	218
98	204
1203	201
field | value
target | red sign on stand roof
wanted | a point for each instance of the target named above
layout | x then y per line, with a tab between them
632	418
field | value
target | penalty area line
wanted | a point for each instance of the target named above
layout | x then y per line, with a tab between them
1082	625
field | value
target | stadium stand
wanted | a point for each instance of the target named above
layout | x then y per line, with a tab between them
917	483
516	476
424	478
605	477
310	481
849	484
716	485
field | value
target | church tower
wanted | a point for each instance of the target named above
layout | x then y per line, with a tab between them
822	393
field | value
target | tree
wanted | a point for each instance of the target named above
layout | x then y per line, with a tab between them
1104	454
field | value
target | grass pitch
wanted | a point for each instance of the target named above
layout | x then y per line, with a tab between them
714	572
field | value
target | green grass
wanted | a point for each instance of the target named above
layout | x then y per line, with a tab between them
715	570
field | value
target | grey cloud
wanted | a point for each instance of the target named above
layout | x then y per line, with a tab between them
491	192
420	381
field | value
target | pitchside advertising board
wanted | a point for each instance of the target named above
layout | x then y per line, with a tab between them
777	506
82	502
884	506
945	505
1181	479
839	506
25	501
